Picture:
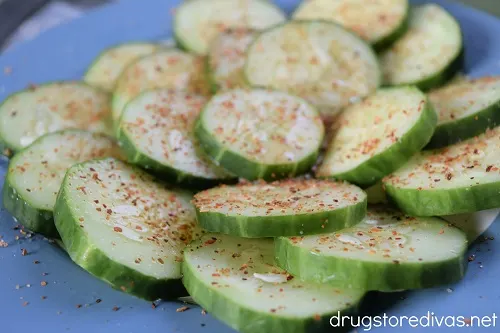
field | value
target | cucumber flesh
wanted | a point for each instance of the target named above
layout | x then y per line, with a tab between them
108	66
260	134
317	60
290	207
226	59
378	22
157	133
35	174
169	69
236	281
198	22
465	109
473	224
124	227
38	110
461	178
429	54
375	137
388	251
376	194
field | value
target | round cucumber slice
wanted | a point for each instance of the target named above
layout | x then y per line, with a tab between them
379	22
35	174
38	110
388	251
378	135
473	224
226	59
460	178
236	281
429	54
465	109
286	208
260	134
317	60
376	194
169	69
156	131
124	227
108	66
198	22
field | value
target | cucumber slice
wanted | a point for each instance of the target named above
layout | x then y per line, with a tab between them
473	224
461	178
108	66
156	132
377	136
31	113
429	54
388	251
121	225
198	22
286	208
317	60
170	69
260	134
376	194
236	281
60	244
35	174
379	22
226	59
465	109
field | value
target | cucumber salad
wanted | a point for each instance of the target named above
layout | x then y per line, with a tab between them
240	167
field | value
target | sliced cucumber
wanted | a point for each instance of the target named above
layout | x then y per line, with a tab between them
198	22
317	60
377	136
236	281
35	174
465	109
156	132
429	54
286	208
260	134
125	228
388	251
473	224
226	59
108	66
379	22
31	113
376	194
170	69
461	178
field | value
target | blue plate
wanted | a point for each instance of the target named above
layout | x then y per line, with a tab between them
64	53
